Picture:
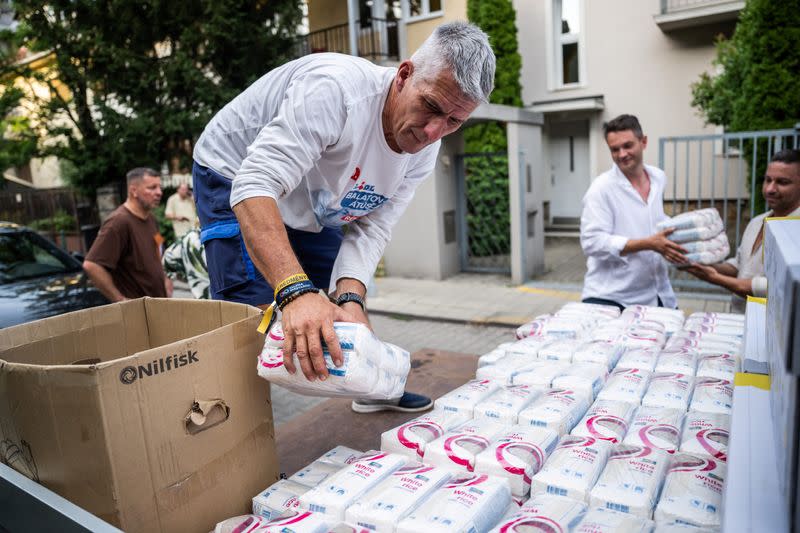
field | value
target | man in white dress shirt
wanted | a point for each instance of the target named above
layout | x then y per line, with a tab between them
624	250
743	274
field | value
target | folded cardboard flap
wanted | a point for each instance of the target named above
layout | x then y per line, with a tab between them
206	414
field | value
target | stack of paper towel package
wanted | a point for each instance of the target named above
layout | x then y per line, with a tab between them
591	421
701	233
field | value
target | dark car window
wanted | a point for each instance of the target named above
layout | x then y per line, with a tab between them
25	255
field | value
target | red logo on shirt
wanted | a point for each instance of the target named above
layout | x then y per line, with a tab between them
356	174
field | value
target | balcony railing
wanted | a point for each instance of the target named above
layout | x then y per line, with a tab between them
377	40
679	14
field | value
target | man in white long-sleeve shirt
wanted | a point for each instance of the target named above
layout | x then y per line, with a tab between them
325	141
624	251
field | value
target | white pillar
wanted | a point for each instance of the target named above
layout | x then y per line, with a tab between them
352	20
402	30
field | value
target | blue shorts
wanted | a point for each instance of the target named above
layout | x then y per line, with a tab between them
232	274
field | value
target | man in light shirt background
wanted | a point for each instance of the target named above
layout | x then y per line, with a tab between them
624	250
743	274
181	212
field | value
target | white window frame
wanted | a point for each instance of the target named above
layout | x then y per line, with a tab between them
426	12
554	41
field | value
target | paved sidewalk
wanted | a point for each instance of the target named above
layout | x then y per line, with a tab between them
493	300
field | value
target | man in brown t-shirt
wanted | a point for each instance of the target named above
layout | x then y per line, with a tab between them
125	259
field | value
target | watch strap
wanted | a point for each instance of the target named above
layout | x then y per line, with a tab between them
351	297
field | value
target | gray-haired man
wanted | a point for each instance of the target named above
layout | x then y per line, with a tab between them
322	142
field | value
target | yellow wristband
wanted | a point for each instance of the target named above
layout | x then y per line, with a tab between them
294	278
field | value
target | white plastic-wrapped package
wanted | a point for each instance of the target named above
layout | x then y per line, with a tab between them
668	389
465	505
720	365
609	311
529	346
560	350
730	330
467	396
599	352
241	524
517	455
639	358
340	455
631	480
396	497
691	219
543	513
656	427
706	434
601	520
685	339
573	468
672	319
678	527
718	242
278	498
539	374
554	328
502	371
638	337
678	361
410	439
347	486
702	233
709	257
315	473
587	377
344	527
693	491
299	521
556	409
625	385
505	404
722	317
371	369
457	449
606	420
492	357
712	395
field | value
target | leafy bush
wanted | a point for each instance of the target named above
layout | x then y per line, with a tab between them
61	221
756	87
487	178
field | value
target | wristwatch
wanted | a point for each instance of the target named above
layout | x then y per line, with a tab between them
351	297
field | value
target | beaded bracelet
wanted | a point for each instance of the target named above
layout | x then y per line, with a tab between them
292	297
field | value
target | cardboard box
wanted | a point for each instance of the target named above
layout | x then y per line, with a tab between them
147	413
782	269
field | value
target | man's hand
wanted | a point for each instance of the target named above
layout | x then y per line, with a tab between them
304	319
704	272
357	314
671	251
660	243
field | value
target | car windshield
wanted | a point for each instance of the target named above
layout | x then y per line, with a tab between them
25	255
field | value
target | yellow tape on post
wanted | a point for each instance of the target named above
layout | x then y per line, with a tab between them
760	381
756	299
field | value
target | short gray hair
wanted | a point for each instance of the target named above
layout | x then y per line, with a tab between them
137	174
464	50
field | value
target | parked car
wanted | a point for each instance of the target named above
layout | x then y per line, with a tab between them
38	279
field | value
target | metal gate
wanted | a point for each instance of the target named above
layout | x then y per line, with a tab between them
483	213
723	171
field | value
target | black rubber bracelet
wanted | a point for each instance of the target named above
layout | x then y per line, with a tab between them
292	297
351	297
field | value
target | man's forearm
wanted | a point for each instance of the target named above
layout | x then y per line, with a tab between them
740	286
266	239
101	278
635	245
726	269
350	285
